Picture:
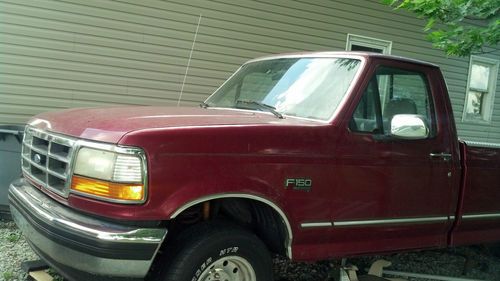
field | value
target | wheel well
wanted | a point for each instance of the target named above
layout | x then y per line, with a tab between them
260	218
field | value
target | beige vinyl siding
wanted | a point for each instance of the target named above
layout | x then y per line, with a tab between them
74	53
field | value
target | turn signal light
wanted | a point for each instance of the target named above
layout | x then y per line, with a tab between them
109	190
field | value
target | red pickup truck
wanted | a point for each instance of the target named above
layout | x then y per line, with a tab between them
310	155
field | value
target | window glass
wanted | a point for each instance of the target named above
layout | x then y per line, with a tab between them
479	77
474	106
365	115
480	90
392	91
303	87
256	85
368	44
360	48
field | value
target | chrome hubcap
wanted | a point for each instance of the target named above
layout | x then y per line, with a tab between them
230	268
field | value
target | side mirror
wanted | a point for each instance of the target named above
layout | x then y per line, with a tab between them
409	126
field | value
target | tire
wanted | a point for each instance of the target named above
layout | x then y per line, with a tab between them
218	251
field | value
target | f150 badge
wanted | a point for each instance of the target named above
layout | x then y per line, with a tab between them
304	184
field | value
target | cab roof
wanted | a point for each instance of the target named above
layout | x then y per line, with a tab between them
342	54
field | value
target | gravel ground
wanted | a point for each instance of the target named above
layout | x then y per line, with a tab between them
473	262
13	251
478	262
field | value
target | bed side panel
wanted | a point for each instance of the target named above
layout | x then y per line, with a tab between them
480	212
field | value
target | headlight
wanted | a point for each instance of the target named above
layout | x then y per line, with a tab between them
95	163
109	175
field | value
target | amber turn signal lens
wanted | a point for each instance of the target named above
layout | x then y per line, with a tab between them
110	190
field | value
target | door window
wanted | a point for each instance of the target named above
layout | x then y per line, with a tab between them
392	91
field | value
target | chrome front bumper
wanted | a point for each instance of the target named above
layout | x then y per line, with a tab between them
81	247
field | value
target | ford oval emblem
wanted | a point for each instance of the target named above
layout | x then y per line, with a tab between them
37	158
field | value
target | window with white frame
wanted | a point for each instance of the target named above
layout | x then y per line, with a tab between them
481	87
368	44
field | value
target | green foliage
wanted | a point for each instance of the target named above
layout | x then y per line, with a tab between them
13	237
8	275
459	27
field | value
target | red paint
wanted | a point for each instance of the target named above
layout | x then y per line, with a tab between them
195	152
481	195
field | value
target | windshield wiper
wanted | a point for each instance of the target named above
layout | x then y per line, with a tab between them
204	104
264	106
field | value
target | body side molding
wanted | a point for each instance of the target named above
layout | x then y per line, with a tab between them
394	221
481	216
316	224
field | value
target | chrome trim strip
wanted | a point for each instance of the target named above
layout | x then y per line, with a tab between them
37	149
390	221
41	183
481	216
33	163
88	263
59	158
50	137
375	222
316	224
288	242
442	154
68	219
25	196
482	144
56	174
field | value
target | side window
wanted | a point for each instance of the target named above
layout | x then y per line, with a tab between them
390	92
366	118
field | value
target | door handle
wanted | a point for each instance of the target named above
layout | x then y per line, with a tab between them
444	156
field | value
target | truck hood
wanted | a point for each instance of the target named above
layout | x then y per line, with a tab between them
111	124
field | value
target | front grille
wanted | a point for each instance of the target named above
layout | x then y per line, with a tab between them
46	159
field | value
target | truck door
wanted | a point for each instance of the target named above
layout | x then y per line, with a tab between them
393	193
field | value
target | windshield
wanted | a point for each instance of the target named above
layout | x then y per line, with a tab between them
302	87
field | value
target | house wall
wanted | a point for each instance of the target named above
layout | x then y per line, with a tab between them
76	53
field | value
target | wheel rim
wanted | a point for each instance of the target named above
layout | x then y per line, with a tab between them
230	268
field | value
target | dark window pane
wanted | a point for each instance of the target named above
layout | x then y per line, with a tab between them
392	91
366	49
365	116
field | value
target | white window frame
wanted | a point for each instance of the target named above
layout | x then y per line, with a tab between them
370	42
489	100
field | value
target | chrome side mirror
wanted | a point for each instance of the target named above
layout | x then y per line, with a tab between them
409	126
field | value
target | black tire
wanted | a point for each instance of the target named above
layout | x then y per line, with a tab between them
207	244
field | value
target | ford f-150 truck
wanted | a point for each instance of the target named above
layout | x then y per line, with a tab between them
310	155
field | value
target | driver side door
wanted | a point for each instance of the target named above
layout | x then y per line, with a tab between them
392	193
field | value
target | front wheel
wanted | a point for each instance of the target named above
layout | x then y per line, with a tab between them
218	252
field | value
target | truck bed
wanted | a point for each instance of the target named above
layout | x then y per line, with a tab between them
479	206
